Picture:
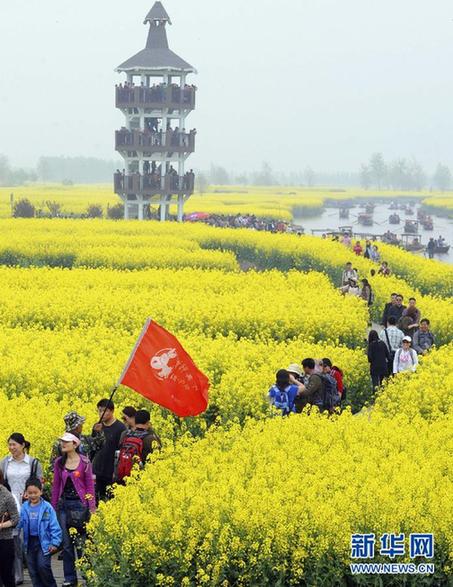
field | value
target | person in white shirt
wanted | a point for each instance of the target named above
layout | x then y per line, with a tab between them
17	468
348	273
351	288
406	359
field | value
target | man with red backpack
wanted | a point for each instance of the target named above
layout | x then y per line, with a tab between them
136	445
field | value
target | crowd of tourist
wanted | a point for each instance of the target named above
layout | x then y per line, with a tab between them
316	383
39	523
247	221
151	179
152	136
404	336
128	93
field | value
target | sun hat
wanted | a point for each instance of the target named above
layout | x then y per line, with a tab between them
407	339
294	368
72	420
67	437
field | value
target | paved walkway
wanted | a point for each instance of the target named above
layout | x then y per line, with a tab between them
57	568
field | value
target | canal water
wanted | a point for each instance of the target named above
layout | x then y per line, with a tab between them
330	220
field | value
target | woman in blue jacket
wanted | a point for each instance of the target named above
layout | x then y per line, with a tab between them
42	534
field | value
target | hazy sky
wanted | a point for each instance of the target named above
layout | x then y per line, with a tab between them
294	82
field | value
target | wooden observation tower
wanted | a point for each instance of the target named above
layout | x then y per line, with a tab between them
155	141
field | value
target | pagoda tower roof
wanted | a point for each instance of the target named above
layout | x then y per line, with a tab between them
156	55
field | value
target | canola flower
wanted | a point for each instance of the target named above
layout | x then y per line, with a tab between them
310	253
211	510
429	394
91	243
47	373
253	305
128	245
441	203
429	276
276	503
278	202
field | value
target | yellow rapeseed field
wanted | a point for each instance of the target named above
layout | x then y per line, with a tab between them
239	495
268	202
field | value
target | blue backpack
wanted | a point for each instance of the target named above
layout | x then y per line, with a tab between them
281	400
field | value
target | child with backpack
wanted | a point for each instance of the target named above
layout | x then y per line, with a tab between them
136	445
42	534
284	392
73	498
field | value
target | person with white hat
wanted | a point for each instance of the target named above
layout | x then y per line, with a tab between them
406	359
73	497
89	445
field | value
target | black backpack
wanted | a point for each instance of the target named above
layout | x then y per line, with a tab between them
331	397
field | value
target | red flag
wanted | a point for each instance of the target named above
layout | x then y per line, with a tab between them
161	370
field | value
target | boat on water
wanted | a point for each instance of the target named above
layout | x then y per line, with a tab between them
421	214
411	226
409	211
369	208
390	238
394	219
365	219
414	245
344	212
442	250
427	223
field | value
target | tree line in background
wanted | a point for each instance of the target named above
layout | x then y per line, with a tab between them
403	174
66	170
400	174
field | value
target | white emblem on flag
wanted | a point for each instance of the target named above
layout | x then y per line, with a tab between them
160	362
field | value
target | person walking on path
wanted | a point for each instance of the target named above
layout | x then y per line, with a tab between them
406	359
393	338
423	339
73	497
42	535
89	445
104	461
17	468
379	359
9	518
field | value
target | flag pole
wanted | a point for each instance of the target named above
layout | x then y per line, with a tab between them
131	357
126	367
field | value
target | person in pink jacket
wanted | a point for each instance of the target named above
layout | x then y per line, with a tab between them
73	497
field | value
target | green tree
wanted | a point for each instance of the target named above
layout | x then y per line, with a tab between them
442	178
378	169
365	176
94	211
23	209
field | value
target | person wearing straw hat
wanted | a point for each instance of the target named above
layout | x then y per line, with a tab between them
296	372
406	359
89	445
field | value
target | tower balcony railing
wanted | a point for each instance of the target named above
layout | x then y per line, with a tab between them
171	141
156	97
150	184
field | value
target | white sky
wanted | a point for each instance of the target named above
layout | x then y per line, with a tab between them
294	82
